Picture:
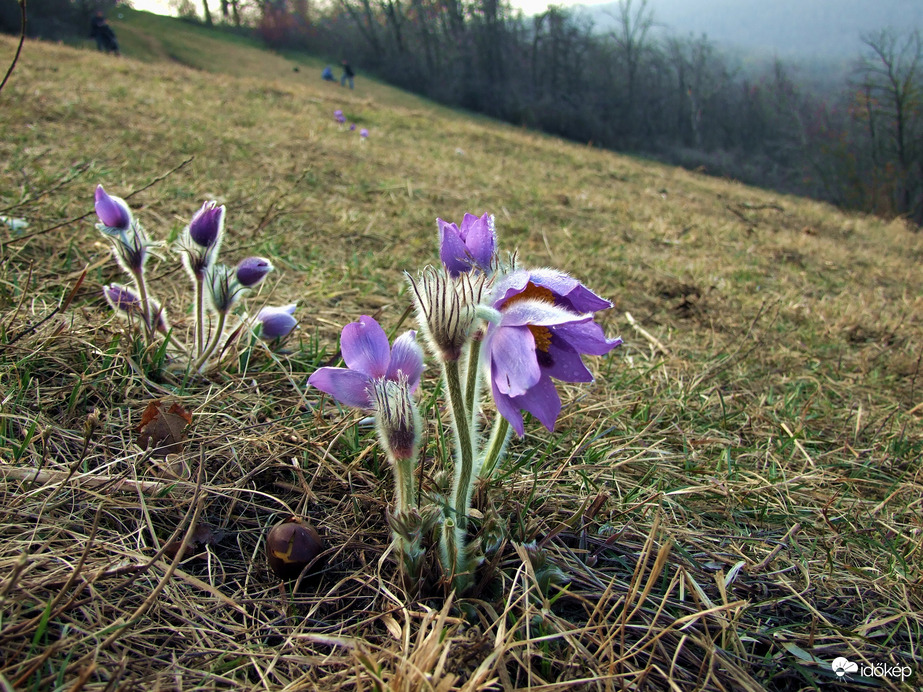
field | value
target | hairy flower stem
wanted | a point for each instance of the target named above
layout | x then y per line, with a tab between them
404	506
496	447
148	318
464	471
210	347
473	381
199	313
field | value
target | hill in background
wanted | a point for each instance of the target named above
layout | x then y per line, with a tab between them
797	30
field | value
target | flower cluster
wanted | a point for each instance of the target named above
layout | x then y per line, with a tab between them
521	329
217	288
340	118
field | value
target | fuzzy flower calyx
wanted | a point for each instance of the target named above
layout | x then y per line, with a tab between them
397	416
446	308
545	325
223	288
473	245
369	358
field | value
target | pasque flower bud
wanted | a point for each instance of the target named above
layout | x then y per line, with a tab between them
252	270
113	212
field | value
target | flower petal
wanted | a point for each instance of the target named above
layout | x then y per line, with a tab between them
112	211
510	285
207	225
506	407
365	347
480	238
514	368
539	313
406	358
585	337
346	386
542	401
569	292
452	250
563	363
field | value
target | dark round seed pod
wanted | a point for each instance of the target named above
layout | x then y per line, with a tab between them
291	545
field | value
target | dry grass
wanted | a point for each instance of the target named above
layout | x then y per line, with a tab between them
736	501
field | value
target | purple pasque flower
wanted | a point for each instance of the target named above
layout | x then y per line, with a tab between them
352	127
113	212
338	116
207	225
369	359
364	133
252	270
129	241
202	240
121	298
126	302
277	322
541	326
473	245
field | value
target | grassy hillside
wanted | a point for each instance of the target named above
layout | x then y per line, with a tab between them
736	499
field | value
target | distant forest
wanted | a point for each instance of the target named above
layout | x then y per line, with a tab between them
857	144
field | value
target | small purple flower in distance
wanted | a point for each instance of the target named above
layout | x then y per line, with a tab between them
207	226
252	270
369	359
113	212
364	133
338	116
277	321
352	127
542	325
471	246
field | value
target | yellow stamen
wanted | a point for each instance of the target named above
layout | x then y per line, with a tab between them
531	292
542	337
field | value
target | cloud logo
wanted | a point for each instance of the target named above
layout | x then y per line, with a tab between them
841	666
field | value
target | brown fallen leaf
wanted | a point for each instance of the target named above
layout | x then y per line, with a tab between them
163	429
202	535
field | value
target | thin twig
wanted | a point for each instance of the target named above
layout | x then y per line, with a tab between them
22	40
63	306
651	339
153	182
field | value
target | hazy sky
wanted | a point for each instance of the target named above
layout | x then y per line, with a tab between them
527	6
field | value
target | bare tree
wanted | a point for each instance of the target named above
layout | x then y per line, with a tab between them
208	13
630	38
891	98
